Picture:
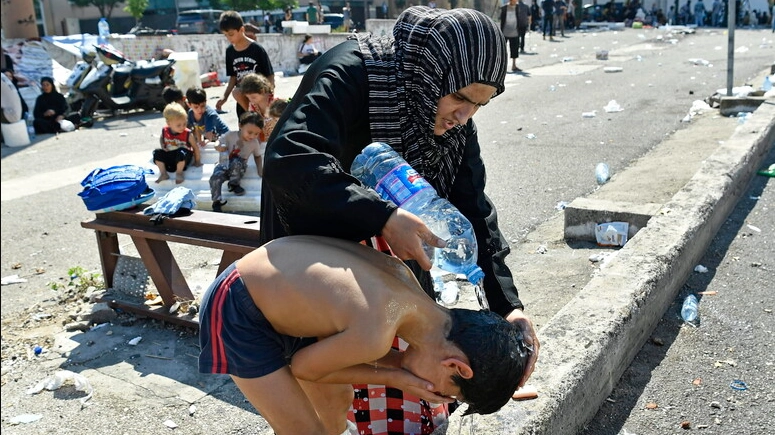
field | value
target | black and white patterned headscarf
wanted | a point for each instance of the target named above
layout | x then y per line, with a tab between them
433	53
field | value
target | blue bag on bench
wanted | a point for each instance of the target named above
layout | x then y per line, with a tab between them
115	188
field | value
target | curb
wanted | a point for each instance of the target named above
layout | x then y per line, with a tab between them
590	342
623	303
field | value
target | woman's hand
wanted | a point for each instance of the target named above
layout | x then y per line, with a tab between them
49	112
517	317
406	233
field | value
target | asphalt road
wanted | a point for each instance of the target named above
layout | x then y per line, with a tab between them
538	148
686	375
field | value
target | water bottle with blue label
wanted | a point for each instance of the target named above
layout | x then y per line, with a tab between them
384	170
103	28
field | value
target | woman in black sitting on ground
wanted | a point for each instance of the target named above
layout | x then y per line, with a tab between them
50	108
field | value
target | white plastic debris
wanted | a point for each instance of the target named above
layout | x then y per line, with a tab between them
12	279
134	341
700	269
613	69
170	424
591	114
530	136
59	379
612	233
754	228
700	62
25	418
613	106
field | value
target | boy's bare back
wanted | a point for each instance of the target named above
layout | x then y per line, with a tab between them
339	285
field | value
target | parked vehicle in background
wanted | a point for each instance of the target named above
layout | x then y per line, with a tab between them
120	84
335	20
198	21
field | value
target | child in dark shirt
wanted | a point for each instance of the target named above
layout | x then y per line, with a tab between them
243	56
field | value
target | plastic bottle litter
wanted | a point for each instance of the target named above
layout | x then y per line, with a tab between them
591	114
742	117
602	173
30	126
767	85
103	28
690	309
384	170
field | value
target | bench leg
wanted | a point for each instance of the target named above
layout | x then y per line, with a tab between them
164	270
227	258
107	244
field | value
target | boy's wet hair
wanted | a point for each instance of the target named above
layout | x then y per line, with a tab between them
254	83
196	95
172	94
496	353
174	111
277	107
230	20
251	117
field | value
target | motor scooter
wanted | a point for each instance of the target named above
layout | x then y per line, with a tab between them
81	69
120	84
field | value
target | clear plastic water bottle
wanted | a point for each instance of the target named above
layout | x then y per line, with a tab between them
690	309
103	28
384	170
446	294
767	85
602	173
30	126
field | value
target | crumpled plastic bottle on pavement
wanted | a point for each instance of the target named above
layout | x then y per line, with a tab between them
59	379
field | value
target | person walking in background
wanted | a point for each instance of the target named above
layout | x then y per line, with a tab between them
535	16
392	90
560	9
237	146
243	56
177	145
699	13
312	14
514	21
547	6
346	17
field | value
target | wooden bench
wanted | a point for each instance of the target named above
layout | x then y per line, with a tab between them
234	234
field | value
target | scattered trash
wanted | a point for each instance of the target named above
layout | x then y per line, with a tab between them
769	172
101	325
737	91
602	173
12	279
700	62
123	134
542	249
738	385
37	350
613	69
530	136
742	117
60	378
561	205
170	424
728	362
567	59
708	293
591	114
753	228
686	424
552	88
134	341
690	309
611	233
25	418
700	269
697	381
602	55
613	106
596	258
652	405
191	409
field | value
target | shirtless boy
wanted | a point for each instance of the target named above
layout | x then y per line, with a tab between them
334	292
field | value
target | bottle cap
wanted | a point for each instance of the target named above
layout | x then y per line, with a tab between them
475	275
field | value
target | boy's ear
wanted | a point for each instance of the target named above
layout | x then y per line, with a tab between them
460	367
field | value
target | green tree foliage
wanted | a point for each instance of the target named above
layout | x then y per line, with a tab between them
104	6
136	8
249	5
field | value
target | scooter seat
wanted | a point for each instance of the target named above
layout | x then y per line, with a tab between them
145	69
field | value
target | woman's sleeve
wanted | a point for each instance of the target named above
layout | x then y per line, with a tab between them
468	196
62	106
40	107
310	151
